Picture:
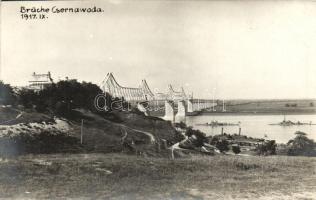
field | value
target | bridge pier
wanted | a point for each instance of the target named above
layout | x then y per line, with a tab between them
181	109
190	105
169	111
180	117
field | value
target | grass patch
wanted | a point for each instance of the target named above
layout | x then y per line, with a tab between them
122	176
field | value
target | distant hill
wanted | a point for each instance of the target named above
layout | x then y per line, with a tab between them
280	106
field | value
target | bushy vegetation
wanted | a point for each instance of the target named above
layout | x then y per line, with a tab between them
236	149
200	136
44	142
177	137
267	148
301	145
7	95
64	96
61	97
181	125
27	98
220	143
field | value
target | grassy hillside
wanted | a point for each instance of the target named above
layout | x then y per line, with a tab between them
33	132
120	176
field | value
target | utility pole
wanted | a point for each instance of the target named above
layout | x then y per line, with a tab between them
81	133
213	109
224	109
214	99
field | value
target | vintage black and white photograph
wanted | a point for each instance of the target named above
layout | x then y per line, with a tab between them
160	99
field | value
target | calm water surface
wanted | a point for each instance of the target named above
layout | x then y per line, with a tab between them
256	125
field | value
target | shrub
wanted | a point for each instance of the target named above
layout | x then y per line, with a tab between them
220	142
61	108
181	125
222	145
45	142
177	137
236	149
27	98
301	145
267	148
200	136
245	166
7	95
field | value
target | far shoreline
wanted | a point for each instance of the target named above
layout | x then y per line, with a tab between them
254	113
207	113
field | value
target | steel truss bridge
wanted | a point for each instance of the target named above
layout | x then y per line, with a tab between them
170	102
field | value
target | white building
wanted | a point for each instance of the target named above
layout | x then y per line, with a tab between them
40	81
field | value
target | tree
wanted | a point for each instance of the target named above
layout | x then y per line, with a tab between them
301	145
300	133
200	136
7	95
236	149
267	148
222	145
27	97
62	97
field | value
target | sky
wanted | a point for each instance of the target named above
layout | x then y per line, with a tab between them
230	49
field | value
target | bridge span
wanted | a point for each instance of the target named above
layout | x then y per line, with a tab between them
173	104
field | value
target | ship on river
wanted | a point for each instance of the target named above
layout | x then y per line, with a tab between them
290	123
216	123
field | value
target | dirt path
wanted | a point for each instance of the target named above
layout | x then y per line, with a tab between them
152	138
176	146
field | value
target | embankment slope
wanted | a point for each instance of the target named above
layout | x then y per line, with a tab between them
105	132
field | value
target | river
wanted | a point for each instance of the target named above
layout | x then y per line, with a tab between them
256	125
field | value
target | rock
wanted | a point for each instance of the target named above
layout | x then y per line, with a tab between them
42	162
204	150
105	171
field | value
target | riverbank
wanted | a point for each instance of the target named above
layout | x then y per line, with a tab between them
120	176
